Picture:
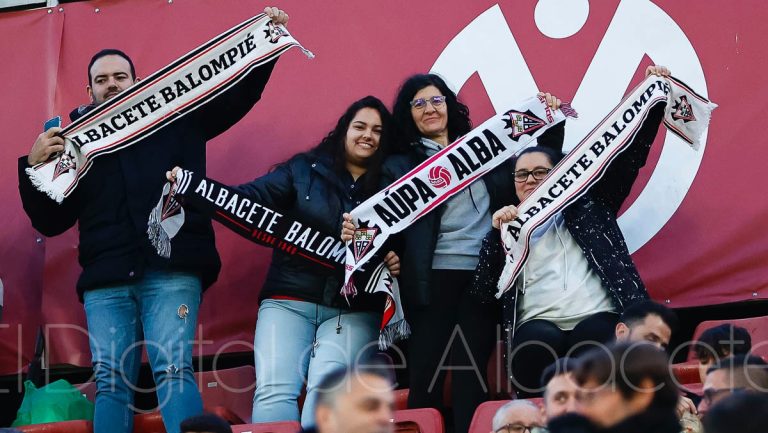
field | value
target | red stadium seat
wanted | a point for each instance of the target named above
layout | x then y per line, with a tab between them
268	427
483	417
686	372
401	399
78	426
427	420
88	389
481	420
226	393
151	422
229	392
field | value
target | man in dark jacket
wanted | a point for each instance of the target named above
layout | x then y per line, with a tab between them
126	288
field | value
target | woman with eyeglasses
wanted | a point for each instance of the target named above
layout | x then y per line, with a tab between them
439	253
579	275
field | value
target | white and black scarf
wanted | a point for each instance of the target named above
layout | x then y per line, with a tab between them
445	174
686	114
165	96
272	228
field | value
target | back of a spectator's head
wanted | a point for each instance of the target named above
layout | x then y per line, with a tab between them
647	321
742	412
624	379
205	423
561	392
722	341
356	399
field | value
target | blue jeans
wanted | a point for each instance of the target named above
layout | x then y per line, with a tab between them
286	357
164	305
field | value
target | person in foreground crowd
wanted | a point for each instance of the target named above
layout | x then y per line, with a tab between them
651	322
625	388
356	399
305	327
745	412
440	251
720	342
205	423
647	321
579	276
740	373
561	392
517	416
128	290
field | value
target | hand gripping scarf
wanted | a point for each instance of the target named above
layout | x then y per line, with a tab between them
686	114
443	175
274	229
163	97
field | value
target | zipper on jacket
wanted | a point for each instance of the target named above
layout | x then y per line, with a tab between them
311	178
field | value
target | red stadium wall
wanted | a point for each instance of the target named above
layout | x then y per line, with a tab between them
696	221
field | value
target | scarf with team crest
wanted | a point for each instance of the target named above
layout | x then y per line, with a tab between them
164	97
445	174
275	229
686	114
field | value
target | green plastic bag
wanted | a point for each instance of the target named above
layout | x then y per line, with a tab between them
57	401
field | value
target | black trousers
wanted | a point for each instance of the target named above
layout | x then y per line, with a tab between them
538	343
455	332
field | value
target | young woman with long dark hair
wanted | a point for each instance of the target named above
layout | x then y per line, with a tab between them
305	328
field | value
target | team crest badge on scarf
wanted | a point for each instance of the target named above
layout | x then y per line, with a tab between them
686	114
166	96
274	229
445	174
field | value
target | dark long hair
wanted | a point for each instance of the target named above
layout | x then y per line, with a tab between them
459	122
332	146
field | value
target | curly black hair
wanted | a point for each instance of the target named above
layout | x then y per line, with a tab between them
459	122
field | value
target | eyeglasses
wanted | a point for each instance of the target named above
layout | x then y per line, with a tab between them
519	428
421	103
538	174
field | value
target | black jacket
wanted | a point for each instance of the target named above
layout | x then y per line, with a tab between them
650	421
309	188
591	220
416	244
112	202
